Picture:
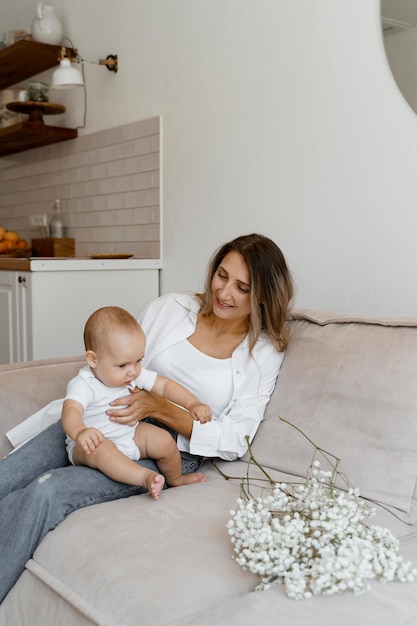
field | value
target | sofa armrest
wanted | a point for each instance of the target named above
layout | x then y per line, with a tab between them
27	387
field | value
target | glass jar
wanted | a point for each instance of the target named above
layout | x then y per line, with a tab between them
38	91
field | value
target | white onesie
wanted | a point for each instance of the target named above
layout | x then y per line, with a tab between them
95	397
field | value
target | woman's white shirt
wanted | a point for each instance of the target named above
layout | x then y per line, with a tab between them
170	320
208	378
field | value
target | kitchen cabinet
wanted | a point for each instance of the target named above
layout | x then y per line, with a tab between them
43	310
15	331
18	62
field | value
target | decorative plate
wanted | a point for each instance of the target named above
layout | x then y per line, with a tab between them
110	256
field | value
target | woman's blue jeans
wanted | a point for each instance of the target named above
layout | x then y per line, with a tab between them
38	489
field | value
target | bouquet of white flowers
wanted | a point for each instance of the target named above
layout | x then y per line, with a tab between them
311	537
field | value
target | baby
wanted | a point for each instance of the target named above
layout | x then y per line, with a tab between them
115	345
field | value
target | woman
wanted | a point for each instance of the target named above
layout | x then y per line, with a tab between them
226	345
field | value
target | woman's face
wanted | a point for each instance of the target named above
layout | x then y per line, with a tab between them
230	288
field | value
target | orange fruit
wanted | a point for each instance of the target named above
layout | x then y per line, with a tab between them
22	243
10	235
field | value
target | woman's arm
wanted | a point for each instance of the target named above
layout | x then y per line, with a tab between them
141	404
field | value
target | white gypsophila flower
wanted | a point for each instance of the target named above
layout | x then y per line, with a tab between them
312	538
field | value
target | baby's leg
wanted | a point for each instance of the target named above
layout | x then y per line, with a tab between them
156	443
116	465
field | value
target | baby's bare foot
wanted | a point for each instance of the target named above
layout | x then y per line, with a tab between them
154	484
188	479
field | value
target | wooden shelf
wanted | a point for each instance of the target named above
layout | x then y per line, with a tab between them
18	62
26	58
27	135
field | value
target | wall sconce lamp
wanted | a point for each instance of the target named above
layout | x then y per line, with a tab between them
67	75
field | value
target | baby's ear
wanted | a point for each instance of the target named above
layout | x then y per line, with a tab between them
91	358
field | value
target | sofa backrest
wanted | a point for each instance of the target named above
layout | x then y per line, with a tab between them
351	386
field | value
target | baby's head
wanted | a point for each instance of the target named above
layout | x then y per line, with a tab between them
115	345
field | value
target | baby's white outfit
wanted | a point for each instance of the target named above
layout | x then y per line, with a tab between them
95	397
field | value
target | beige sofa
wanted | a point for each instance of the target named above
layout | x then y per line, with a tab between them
350	384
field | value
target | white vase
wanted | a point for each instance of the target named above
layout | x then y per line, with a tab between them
47	27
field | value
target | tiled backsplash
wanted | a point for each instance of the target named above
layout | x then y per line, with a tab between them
108	183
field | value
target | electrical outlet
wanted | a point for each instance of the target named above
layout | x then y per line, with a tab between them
37	221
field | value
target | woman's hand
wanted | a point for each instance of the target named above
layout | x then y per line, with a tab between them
141	404
138	405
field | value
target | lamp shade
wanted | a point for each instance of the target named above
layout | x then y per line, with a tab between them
66	76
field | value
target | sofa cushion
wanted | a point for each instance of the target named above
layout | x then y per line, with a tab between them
137	560
351	386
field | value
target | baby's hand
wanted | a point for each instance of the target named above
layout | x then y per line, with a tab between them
200	412
89	439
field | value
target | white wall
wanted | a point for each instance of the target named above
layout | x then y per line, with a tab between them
279	116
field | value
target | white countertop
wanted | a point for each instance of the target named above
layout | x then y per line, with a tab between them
50	264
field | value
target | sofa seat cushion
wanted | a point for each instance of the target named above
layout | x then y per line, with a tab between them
140	561
137	561
384	605
351	386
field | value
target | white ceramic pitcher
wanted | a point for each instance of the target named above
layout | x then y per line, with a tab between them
47	27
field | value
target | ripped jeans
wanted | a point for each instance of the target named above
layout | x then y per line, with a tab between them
39	488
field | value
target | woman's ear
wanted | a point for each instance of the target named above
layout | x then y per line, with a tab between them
91	358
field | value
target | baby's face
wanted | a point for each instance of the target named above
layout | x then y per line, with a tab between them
120	362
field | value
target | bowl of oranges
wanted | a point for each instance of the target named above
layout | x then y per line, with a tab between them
12	245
